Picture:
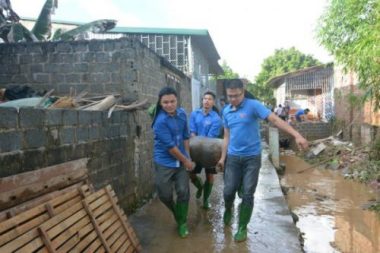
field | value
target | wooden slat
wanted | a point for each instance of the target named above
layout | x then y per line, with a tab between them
46	240
119	242
14	233
109	222
94	246
73	241
25	186
98	203
117	211
96	226
37	201
85	242
92	224
68	204
100	250
25	234
38	210
67	234
94	196
67	223
110	230
98	212
42	250
62	216
20	241
23	217
125	246
31	177
115	236
105	216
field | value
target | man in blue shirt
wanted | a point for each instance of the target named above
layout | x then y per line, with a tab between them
301	114
205	122
242	151
171	156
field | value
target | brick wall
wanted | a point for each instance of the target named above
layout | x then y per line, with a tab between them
349	110
119	148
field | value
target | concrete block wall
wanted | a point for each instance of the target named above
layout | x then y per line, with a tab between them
120	148
37	138
310	130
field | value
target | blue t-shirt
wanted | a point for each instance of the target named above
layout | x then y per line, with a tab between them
170	131
243	124
299	113
205	125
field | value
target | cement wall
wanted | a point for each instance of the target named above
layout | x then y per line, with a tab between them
309	130
119	148
352	116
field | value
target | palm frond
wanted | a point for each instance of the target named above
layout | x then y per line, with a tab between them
98	26
42	28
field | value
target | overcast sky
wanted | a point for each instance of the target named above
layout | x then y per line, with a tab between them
244	32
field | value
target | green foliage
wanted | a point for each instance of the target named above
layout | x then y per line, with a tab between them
228	72
366	171
350	30
282	61
13	31
42	27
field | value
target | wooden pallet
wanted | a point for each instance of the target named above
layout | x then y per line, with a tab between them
78	221
23	187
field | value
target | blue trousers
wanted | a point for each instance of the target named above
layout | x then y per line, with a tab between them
168	178
241	170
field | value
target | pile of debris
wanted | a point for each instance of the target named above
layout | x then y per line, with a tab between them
353	162
55	209
25	96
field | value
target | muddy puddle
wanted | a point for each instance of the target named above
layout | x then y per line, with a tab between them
330	209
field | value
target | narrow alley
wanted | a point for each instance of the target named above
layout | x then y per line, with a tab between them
271	227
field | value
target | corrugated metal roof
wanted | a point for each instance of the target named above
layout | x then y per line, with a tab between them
151	30
278	80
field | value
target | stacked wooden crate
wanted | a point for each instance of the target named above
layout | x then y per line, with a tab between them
71	219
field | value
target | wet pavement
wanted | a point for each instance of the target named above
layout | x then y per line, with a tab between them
330	209
271	228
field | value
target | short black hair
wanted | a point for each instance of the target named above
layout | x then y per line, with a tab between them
210	93
234	84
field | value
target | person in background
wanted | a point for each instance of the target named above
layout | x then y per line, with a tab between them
222	103
241	153
285	111
301	115
278	110
205	122
171	156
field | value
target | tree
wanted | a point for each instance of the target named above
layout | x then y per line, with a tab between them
11	30
282	61
350	30
228	72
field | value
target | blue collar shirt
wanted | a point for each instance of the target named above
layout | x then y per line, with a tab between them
207	125
169	132
243	124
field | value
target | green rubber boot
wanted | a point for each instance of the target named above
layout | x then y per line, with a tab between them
181	211
244	217
227	216
240	191
206	194
198	183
